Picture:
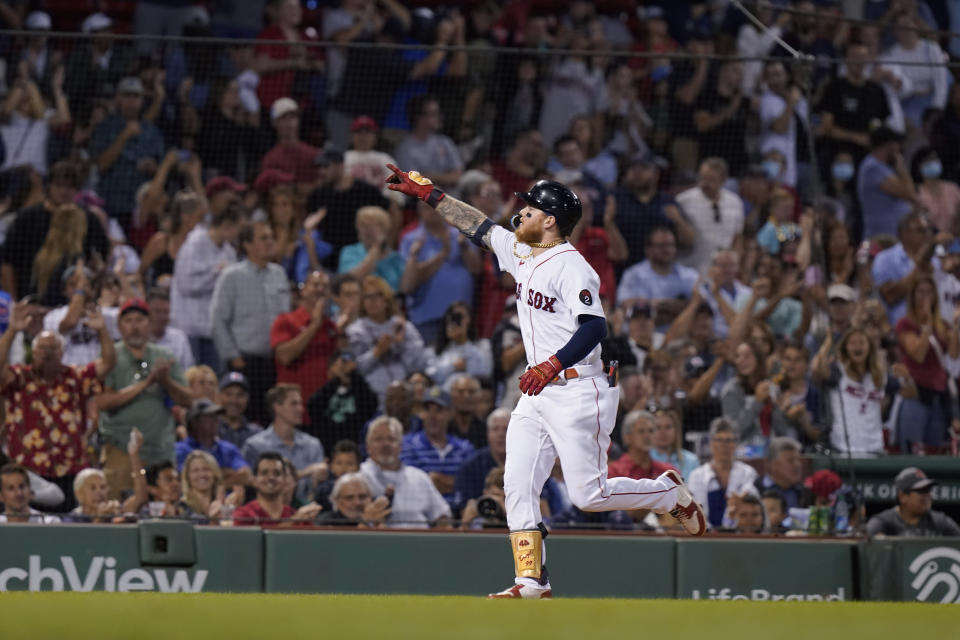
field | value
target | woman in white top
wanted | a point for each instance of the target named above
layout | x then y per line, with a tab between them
26	120
718	484
857	385
457	349
922	64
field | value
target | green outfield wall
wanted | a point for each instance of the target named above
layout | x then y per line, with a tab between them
177	557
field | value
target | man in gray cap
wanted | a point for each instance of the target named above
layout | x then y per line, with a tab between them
433	449
233	397
127	150
203	420
913	515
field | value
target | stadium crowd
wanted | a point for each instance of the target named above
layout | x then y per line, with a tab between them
215	310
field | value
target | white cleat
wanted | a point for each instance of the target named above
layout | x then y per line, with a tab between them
523	591
687	511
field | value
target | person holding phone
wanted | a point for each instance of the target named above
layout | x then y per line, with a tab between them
339	409
387	346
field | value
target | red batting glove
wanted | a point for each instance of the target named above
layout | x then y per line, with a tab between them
414	184
536	378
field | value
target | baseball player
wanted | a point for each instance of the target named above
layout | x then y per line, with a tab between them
569	406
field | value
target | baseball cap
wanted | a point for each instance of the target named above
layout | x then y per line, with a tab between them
363	122
327	156
96	22
130	84
841	292
38	21
884	134
234	378
72	269
282	107
912	479
203	407
652	12
648	158
437	396
224	183
270	178
134	304
694	367
197	16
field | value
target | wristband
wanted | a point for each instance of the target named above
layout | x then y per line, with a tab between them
434	197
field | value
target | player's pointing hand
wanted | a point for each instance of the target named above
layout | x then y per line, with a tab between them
414	184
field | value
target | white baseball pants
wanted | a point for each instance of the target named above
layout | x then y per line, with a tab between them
572	422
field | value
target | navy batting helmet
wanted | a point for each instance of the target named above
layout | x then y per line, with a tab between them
556	200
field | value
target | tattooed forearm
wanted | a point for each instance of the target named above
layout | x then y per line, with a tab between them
464	217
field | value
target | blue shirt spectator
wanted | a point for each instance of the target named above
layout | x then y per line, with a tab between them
418	451
434	450
658	279
389	267
889	266
642	207
892	266
470	477
225	453
884	185
429	296
126	150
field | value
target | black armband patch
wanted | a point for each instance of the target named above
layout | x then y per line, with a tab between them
477	237
435	197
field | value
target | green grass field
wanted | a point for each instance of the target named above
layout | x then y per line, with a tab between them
145	616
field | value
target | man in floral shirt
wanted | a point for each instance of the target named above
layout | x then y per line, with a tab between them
46	418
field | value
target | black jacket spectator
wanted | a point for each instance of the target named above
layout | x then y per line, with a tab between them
338	411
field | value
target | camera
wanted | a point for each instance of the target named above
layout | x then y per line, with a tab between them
456	317
492	513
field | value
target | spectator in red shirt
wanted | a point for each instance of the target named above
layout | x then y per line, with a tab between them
926	342
600	246
278	64
46	417
637	436
291	154
304	339
269	507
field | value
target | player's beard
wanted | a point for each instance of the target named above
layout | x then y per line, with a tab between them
527	233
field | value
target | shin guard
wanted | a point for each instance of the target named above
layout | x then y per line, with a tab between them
527	553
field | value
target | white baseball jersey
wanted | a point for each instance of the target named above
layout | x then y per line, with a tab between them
553	289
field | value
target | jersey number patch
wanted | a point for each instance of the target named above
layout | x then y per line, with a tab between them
585	297
537	300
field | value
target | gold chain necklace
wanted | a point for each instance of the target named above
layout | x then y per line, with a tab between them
537	245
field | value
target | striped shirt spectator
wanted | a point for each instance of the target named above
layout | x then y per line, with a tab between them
433	449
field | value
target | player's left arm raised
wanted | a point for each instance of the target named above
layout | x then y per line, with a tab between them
471	222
